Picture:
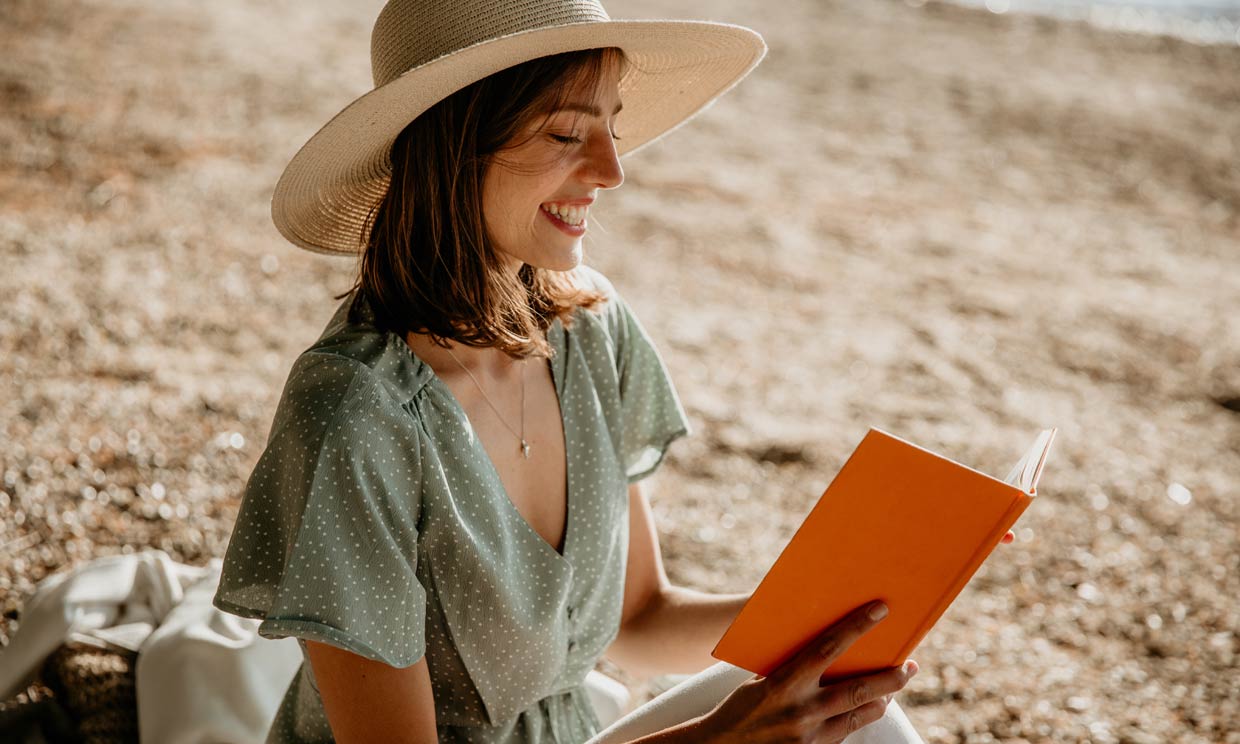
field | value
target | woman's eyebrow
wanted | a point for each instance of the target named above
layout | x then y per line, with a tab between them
585	108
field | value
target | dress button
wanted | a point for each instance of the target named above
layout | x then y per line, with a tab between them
572	612
572	644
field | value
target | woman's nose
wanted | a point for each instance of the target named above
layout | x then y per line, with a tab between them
603	164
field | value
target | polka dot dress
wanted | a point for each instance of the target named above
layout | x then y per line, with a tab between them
375	522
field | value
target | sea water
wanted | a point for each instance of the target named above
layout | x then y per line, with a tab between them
1201	21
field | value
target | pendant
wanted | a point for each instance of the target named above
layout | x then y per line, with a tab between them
525	450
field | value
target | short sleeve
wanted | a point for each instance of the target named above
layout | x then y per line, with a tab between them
650	410
325	543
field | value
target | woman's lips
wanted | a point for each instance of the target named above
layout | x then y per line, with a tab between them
575	231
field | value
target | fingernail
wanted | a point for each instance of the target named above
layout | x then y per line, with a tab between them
910	668
878	612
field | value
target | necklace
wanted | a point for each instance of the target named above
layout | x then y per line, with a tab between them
525	447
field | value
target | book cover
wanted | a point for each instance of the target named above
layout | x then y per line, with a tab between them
898	523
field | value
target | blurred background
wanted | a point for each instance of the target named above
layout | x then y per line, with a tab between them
958	224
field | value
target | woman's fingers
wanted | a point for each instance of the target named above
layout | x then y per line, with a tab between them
838	698
791	703
808	664
835	729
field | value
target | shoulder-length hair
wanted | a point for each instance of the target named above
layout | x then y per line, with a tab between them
428	263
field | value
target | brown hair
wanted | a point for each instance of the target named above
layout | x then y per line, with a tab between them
428	262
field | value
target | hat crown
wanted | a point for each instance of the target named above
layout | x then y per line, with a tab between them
410	33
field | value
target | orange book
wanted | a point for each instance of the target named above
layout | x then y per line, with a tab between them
898	523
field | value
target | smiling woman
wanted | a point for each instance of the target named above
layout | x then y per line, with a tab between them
474	180
456	535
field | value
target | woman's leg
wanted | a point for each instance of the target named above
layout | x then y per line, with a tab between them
700	693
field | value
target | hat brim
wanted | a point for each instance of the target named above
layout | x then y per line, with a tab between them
678	68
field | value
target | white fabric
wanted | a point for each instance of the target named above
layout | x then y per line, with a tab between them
609	698
111	601
205	676
699	694
202	676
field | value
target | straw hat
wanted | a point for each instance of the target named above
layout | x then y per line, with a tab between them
422	51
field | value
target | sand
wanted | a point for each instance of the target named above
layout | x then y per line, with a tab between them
955	226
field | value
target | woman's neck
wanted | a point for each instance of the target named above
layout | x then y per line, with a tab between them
482	362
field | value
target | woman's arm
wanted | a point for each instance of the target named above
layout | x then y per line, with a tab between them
676	632
664	629
368	701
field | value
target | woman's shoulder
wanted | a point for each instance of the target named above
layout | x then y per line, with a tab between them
353	360
327	391
608	316
325	381
320	388
588	277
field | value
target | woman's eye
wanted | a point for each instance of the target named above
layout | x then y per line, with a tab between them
573	140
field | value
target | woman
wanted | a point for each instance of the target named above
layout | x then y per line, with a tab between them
448	514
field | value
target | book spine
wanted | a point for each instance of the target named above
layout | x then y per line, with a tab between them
1006	520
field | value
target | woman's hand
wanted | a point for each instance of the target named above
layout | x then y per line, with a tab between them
789	705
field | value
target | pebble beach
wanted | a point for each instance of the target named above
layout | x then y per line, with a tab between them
955	225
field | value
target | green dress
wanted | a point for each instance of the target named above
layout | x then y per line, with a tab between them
375	522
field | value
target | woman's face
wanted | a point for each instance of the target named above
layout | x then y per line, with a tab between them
560	169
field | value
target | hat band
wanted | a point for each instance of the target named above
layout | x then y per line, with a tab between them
410	33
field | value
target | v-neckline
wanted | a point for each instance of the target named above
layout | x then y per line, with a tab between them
555	337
